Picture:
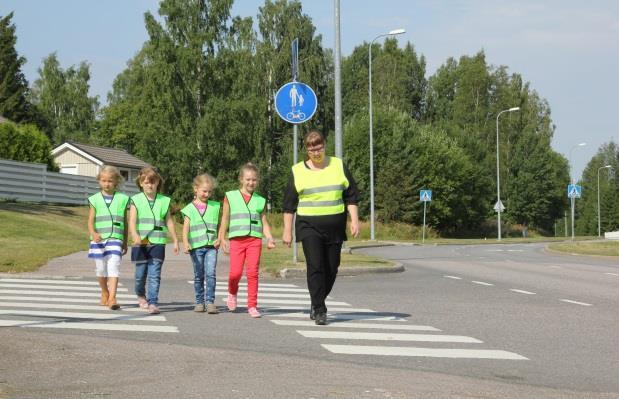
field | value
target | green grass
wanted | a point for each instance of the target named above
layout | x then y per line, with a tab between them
32	234
274	260
605	248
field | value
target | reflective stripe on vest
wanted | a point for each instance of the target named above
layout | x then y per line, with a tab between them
151	221
320	191
109	219
245	219
202	228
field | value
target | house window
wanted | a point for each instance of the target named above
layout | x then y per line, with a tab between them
124	174
68	169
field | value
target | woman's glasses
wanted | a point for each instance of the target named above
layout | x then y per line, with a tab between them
316	150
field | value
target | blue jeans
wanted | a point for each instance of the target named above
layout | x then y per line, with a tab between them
204	261
148	272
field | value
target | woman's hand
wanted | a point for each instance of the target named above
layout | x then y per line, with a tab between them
135	237
287	238
270	243
175	247
186	247
354	228
226	246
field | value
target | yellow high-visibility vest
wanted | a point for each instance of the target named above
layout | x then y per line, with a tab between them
320	191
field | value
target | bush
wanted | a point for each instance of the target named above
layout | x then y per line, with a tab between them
25	143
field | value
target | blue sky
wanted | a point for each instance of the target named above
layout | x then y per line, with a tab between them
568	50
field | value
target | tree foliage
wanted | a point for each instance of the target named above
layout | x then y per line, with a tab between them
61	97
25	143
587	206
14	103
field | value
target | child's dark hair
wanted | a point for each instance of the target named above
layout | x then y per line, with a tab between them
148	173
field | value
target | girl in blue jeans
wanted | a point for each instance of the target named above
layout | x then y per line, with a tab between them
149	222
201	220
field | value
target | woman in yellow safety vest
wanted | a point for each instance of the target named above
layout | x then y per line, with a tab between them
320	191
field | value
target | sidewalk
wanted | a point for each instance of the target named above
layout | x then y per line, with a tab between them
78	265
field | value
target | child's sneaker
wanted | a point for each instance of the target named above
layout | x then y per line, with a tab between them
253	312
153	309
211	308
231	302
199	308
142	303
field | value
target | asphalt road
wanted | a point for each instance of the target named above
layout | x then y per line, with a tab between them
489	321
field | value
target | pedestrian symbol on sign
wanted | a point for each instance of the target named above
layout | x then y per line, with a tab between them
425	195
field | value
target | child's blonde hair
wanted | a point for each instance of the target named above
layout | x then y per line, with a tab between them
248	166
148	173
204	178
112	171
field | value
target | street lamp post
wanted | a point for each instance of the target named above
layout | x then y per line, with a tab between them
572	198
390	33
599	218
498	181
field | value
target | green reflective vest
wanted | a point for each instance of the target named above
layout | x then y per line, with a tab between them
245	219
202	228
151	223
109	219
320	191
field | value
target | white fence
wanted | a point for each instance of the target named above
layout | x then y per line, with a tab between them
32	182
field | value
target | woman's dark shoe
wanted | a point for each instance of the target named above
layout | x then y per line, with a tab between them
321	319
312	313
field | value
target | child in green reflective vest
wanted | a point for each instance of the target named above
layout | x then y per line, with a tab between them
149	222
108	232
244	218
201	218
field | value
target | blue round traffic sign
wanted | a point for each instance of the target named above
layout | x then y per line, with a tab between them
295	102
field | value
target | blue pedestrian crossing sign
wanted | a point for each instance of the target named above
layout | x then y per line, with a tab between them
295	102
425	195
574	191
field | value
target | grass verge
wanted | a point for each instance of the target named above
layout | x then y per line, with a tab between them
32	234
274	260
605	248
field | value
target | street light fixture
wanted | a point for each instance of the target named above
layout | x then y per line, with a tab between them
390	33
572	198
498	205
599	219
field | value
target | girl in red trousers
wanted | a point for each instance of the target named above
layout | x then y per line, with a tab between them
244	219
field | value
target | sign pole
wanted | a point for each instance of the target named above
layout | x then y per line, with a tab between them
295	156
295	141
423	236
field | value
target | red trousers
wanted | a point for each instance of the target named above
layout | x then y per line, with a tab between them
245	251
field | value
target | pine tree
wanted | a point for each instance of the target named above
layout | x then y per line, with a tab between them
14	104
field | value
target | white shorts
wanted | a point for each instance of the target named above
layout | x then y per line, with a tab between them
108	266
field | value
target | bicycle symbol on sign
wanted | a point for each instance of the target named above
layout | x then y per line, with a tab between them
295	115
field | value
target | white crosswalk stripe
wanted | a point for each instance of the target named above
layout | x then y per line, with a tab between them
423	352
72	304
346	323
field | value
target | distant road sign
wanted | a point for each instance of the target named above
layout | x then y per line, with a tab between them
295	102
574	191
425	195
499	206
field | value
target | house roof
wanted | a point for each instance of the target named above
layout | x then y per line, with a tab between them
106	155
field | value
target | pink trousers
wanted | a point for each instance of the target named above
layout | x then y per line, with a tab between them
245	251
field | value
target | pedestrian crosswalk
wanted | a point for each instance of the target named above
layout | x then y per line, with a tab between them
72	304
356	331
